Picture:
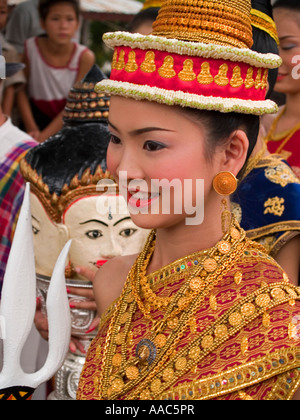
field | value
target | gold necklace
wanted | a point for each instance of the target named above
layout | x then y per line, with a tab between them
120	372
192	286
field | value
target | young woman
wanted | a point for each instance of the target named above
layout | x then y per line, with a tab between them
283	135
197	314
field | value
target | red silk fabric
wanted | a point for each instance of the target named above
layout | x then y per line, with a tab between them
175	83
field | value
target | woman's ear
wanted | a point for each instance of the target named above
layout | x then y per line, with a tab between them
235	152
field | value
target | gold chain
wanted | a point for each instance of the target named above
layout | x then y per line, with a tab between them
191	288
118	375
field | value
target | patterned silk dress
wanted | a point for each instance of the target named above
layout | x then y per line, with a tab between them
230	330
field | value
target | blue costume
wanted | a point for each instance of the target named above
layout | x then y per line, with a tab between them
267	203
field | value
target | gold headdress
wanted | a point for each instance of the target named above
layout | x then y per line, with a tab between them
198	56
265	23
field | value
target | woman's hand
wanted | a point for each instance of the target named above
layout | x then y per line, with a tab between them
90	304
35	134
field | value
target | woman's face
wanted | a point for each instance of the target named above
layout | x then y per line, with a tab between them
151	142
288	27
101	228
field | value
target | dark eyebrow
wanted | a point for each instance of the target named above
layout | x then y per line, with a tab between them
95	221
122	220
283	38
142	130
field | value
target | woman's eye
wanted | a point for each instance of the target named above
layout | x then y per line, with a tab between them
126	233
287	47
153	146
114	139
94	234
35	230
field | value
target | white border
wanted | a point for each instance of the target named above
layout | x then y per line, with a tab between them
167	97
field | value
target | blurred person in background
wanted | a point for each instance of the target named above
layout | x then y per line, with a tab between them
283	129
53	64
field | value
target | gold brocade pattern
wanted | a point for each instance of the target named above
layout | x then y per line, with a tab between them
281	174
236	342
187	73
275	205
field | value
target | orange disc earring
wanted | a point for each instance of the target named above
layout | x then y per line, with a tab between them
225	184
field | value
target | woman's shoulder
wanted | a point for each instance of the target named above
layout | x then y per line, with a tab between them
110	280
120	265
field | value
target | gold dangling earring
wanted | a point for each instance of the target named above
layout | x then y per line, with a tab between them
225	184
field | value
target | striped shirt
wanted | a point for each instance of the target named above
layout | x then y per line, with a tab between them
12	150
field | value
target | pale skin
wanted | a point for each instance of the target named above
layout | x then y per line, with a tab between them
149	133
57	48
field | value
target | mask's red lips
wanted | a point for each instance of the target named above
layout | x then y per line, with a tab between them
100	263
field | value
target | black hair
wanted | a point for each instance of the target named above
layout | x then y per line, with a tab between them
45	6
287	4
263	42
68	153
219	126
147	15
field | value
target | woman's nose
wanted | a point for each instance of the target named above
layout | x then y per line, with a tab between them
129	167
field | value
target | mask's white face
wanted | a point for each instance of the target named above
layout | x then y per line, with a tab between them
48	238
101	228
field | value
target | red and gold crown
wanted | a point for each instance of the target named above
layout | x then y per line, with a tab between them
197	56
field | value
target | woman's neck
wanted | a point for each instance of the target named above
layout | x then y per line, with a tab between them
181	240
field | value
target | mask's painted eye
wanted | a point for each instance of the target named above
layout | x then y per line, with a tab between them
94	234
126	233
35	231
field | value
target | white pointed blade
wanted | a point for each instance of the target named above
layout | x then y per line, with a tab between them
59	320
18	302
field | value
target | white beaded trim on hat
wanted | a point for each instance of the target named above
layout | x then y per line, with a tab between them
169	97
